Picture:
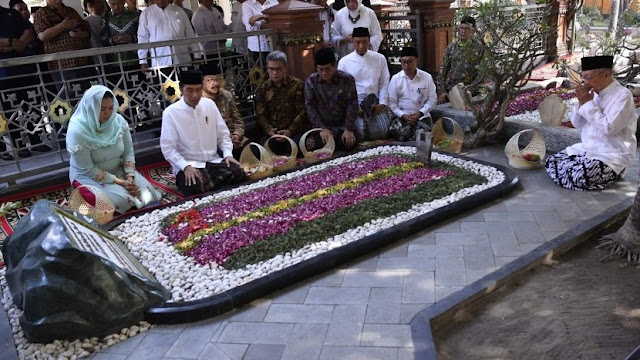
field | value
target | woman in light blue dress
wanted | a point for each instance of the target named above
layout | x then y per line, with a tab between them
99	142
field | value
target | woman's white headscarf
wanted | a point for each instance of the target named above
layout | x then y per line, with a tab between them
355	13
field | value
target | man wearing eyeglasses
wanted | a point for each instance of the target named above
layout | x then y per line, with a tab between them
606	117
460	59
412	94
280	104
331	100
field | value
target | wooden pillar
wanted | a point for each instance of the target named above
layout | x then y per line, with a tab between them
561	41
437	30
297	32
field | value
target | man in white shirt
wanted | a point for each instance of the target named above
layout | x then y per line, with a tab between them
606	116
371	73
354	15
207	20
189	127
253	19
161	22
412	94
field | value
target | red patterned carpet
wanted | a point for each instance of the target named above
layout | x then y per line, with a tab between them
158	174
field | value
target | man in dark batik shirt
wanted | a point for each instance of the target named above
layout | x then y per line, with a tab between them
332	101
280	104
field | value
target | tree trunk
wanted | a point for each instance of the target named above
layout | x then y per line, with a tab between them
626	241
613	18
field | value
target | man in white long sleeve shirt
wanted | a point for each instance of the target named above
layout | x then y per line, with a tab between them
352	16
161	22
189	127
253	19
371	73
207	20
412	94
607	119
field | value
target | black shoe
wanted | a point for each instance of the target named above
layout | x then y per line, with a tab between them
41	148
24	153
7	157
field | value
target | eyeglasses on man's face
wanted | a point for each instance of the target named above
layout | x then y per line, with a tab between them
274	70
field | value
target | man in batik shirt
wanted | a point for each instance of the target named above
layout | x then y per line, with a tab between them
331	100
460	59
120	27
280	104
213	88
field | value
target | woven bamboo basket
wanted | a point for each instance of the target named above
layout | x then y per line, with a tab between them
444	141
283	162
529	157
256	167
100	209
323	153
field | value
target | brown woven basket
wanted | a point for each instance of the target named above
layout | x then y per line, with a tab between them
256	167
443	141
323	153
103	209
535	150
283	162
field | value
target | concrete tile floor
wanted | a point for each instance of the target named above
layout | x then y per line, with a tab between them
363	309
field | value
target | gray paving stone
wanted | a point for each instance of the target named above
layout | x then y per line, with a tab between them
550	235
436	250
346	325
348	313
496	206
485	227
569	211
386	335
418	288
528	232
451	226
306	342
504	244
330	278
8	353
444	291
510	216
264	352
103	356
537	196
503	260
358	353
529	206
407	264
125	347
478	262
406	354
299	313
426	238
366	263
384	306
335	295
193	339
254	311
154	345
291	295
169	328
408	311
397	250
450	272
256	333
223	351
549	221
461	238
530	184
585	201
6	334
471	216
372	279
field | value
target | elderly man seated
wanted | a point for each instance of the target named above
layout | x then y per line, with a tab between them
412	94
192	133
371	73
332	101
213	87
607	119
280	104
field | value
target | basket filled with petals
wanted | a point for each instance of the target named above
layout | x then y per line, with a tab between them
256	161
530	156
282	162
447	141
322	153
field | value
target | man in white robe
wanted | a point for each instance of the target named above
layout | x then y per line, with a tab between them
606	116
412	94
189	127
253	18
207	20
161	22
348	18
371	73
